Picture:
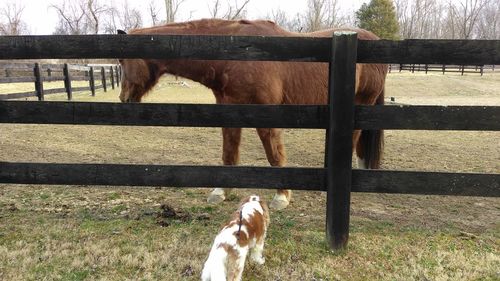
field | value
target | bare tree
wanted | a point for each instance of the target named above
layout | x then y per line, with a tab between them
123	17
72	18
468	12
215	8
11	22
282	19
234	10
334	16
93	13
488	25
316	14
321	14
419	18
153	13
172	8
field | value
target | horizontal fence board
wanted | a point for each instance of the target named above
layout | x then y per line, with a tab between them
17	95
78	67
371	181
480	118
165	46
16	66
430	51
264	48
397	117
426	183
80	78
53	91
52	78
17	79
79	89
187	115
158	175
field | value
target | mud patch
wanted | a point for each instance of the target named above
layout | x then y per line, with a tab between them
169	215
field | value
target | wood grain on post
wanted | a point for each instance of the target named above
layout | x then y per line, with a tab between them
117	76
38	82
112	77
67	81
103	78
92	81
339	147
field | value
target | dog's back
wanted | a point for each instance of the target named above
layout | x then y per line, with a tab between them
245	232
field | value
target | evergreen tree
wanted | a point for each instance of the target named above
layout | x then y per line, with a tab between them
379	17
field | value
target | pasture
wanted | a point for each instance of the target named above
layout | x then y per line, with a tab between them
109	233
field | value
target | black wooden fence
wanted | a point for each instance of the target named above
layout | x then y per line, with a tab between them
39	73
339	117
443	68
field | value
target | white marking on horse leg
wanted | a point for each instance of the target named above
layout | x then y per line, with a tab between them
216	196
279	202
361	163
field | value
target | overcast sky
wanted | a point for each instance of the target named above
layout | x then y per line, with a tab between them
42	20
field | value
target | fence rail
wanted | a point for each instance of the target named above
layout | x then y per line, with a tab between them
250	116
339	117
312	179
255	48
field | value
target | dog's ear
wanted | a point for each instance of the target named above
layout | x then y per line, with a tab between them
119	31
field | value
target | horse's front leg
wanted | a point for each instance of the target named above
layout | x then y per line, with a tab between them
230	156
272	141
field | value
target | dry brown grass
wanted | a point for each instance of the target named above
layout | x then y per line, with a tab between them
112	233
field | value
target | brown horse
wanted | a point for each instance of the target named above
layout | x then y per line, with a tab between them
252	82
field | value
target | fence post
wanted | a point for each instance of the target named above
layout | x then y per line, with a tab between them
342	79
481	69
426	68
103	78
444	68
67	81
92	81
49	72
112	77
400	67
38	82
463	68
117	76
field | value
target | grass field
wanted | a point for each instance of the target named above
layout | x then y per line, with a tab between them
119	233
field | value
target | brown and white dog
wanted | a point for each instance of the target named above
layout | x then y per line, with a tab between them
245	232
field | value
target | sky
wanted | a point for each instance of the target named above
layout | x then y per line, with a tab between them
42	20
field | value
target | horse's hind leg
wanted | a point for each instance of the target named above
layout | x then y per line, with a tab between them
275	151
230	156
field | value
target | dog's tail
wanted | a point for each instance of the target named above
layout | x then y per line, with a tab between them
215	267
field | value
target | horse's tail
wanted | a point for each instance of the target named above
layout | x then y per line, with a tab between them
372	143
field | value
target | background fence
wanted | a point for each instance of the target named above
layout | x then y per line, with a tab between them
477	69
339	117
37	73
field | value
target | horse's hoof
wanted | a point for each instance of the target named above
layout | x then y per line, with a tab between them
279	203
216	197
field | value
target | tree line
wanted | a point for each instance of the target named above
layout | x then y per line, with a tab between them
398	19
